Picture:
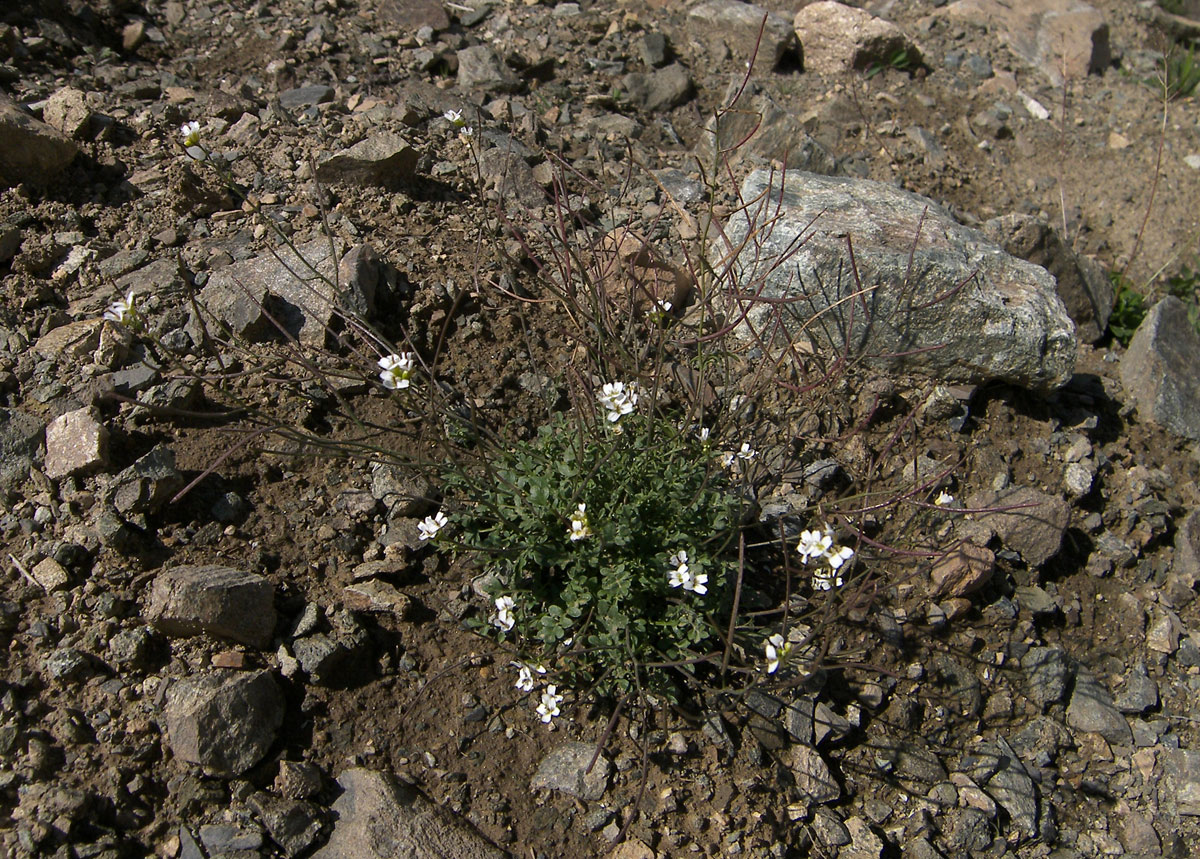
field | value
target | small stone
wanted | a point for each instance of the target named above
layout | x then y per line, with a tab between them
220	601
133	35
1164	631
836	38
374	595
1092	709
76	443
566	769
1047	674
51	575
660	90
481	67
30	150
385	159
963	570
306	96
1140	692
864	843
1026	520
148	484
298	779
812	774
67	111
1158	369
224	722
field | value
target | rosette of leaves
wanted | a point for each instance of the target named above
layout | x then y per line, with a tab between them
600	610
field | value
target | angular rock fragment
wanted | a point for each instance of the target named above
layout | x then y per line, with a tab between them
385	159
30	150
21	437
566	769
220	601
225	721
659	90
963	570
148	484
1158	371
923	292
376	818
812	774
1027	521
481	67
752	124
836	38
739	24
76	443
1092	709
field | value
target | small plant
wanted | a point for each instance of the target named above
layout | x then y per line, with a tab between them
1178	75
1186	287
611	550
900	61
1128	312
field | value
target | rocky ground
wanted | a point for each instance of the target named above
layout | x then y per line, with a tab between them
272	664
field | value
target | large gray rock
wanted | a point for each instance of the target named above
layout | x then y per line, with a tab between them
996	766
145	486
30	150
1055	36
1158	370
221	601
479	66
282	289
76	443
659	90
738	25
1084	288
931	295
380	819
225	721
837	38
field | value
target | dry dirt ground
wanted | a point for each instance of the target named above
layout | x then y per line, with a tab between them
85	767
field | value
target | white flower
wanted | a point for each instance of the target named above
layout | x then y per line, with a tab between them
466	132
547	708
944	499
704	431
777	651
824	580
430	525
838	556
455	118
396	370
814	544
191	141
745	454
618	399
579	528
681	576
123	311
525	673
191	133
503	619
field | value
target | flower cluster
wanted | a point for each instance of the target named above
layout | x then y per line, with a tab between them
395	371
504	619
579	528
732	458
525	672
618	399
455	118
124	311
681	576
819	544
547	706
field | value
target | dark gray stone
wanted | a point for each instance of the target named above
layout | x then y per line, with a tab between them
306	96
292	824
1047	674
220	601
1158	371
148	484
566	770
1092	709
1083	286
384	158
21	438
659	90
225	722
1140	692
938	297
997	767
812	774
481	67
376	818
1182	783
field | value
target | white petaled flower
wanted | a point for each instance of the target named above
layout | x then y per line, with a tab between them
429	526
547	708
747	453
777	651
837	556
525	672
466	132
395	371
191	133
124	311
825	580
503	619
943	499
455	118
618	399
704	432
681	576
579	528
732	458
814	544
